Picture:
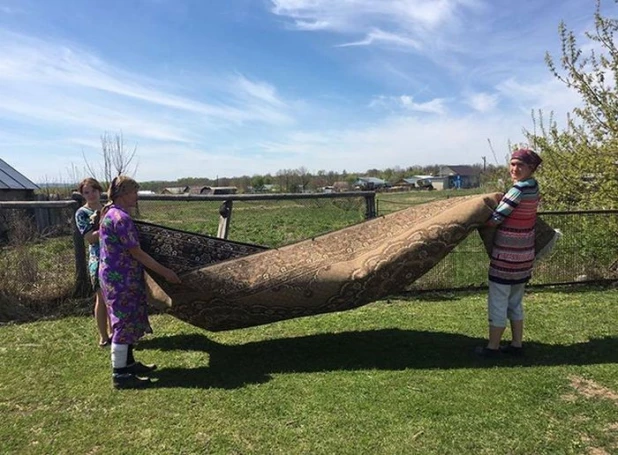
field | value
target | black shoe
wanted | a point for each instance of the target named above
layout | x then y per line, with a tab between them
515	351
140	368
129	381
486	353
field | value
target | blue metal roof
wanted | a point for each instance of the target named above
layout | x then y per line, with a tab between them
10	179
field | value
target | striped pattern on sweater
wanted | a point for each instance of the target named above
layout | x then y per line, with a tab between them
512	256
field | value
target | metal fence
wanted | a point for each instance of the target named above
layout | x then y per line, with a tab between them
271	220
586	252
53	260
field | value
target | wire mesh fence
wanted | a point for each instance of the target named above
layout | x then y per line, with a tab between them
268	222
586	252
38	254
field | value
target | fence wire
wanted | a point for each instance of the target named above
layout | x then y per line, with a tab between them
586	252
37	255
271	223
37	259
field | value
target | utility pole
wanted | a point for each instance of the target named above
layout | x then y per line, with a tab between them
484	163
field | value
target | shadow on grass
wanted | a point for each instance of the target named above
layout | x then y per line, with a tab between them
233	366
461	293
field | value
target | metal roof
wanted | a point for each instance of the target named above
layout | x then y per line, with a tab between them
374	180
10	179
463	169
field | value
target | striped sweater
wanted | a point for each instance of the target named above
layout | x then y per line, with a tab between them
512	256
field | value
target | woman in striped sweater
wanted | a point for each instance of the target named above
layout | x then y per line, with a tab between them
512	256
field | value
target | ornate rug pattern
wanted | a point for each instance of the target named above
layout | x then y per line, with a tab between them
230	285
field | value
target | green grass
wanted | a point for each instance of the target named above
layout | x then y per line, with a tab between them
269	223
393	377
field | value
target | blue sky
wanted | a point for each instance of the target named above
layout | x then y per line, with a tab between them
207	88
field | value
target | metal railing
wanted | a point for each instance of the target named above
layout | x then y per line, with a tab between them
587	251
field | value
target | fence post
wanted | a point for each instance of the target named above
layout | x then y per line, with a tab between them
370	206
225	218
83	287
42	217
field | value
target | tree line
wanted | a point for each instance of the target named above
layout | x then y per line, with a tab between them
300	179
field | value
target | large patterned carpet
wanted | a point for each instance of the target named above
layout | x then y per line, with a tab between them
229	285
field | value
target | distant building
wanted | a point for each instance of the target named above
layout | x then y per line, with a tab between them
423	182
219	190
13	185
461	176
269	188
175	190
341	186
197	189
370	183
407	183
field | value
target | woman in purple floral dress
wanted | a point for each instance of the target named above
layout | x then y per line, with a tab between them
121	274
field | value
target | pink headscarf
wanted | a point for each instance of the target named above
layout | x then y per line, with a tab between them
527	156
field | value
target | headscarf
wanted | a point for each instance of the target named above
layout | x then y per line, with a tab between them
527	156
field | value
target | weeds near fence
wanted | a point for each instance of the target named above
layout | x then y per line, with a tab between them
36	273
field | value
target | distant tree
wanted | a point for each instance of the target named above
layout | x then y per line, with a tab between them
581	161
287	180
332	177
304	177
258	182
116	159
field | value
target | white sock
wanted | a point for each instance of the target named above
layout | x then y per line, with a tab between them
119	355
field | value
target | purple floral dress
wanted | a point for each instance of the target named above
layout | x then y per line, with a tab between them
122	277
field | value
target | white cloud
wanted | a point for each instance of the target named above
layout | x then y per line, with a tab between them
407	103
407	22
259	90
403	141
349	15
29	65
549	95
482	102
311	25
377	35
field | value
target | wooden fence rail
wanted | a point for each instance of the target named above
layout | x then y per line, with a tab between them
82	281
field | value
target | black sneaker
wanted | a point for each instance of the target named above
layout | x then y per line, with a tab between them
140	368
515	351
486	353
129	381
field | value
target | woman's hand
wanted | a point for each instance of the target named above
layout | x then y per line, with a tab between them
171	276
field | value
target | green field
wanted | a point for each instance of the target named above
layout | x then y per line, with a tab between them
269	223
393	377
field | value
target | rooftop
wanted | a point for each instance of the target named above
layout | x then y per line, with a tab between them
10	179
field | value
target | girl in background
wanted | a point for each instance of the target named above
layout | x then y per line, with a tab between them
86	219
121	273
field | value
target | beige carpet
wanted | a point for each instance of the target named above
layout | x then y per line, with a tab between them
229	285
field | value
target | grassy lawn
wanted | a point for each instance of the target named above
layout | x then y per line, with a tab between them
269	223
393	377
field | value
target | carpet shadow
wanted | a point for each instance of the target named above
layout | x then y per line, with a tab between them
233	366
